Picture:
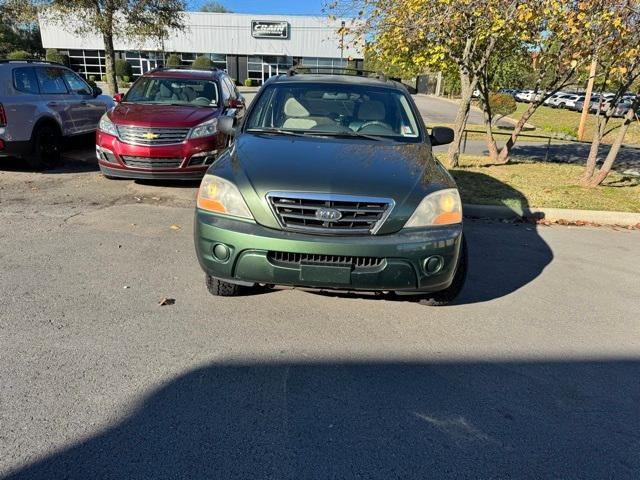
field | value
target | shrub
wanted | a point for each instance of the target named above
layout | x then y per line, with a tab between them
92	78
54	56
173	60
122	68
123	84
19	55
202	63
502	104
103	78
126	78
248	82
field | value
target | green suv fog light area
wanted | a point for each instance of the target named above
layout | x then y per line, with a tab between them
221	252
433	264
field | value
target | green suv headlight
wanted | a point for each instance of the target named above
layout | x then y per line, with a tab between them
438	208
221	196
205	129
107	126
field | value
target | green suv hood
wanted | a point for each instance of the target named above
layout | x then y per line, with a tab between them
404	172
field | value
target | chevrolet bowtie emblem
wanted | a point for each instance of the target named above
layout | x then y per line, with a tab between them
150	135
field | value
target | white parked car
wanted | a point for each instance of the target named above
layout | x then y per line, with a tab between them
524	96
554	99
569	101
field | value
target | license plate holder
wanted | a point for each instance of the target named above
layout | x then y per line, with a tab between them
325	274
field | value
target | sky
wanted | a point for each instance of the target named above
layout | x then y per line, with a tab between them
276	7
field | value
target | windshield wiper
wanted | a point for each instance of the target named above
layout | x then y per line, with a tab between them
377	138
275	131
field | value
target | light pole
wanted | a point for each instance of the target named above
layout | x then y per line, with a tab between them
587	97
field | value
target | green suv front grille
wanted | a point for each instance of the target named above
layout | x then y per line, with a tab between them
329	214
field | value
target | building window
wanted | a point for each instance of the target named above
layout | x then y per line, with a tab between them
325	62
88	62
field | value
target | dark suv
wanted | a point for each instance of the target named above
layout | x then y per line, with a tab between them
41	103
166	126
331	183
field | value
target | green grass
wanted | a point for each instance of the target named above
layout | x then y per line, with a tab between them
560	121
537	184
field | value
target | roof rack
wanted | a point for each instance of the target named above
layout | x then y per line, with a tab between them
317	70
187	67
30	60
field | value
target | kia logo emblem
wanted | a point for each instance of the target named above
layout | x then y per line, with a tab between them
328	214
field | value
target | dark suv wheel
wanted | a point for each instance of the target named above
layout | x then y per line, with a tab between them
46	148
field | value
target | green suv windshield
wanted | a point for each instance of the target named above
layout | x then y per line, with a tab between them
334	110
173	91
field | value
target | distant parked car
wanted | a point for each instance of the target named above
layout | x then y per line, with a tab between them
569	101
622	107
594	104
166	126
524	96
41	104
552	100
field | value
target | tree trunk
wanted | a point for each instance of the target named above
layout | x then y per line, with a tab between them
110	62
453	154
590	167
615	146
503	157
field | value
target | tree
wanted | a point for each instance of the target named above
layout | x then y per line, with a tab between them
173	60
110	18
18	55
54	56
214	7
202	63
123	68
560	34
19	29
417	35
619	64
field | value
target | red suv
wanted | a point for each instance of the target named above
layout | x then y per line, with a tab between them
166	126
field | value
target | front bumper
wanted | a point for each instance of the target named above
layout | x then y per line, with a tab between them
402	256
193	158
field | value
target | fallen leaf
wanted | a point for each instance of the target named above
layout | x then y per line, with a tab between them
166	301
175	227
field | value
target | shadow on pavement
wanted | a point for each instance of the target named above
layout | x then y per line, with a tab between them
373	420
78	156
502	257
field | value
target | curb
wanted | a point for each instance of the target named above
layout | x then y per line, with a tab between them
626	219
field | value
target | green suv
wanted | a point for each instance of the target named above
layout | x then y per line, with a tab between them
331	183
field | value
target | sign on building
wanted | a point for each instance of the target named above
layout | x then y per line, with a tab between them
269	29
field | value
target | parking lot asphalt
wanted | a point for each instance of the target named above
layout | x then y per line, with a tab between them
533	373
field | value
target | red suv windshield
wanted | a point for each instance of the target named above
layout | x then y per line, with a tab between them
174	91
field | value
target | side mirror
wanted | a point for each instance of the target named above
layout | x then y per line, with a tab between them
441	136
118	97
226	125
95	91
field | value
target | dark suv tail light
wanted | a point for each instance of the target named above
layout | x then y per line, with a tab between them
3	117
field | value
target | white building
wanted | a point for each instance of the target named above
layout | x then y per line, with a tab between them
246	45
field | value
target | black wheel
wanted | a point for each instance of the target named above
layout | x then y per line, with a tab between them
224	289
446	296
46	148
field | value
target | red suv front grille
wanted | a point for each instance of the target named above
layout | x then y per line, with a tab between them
151	162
